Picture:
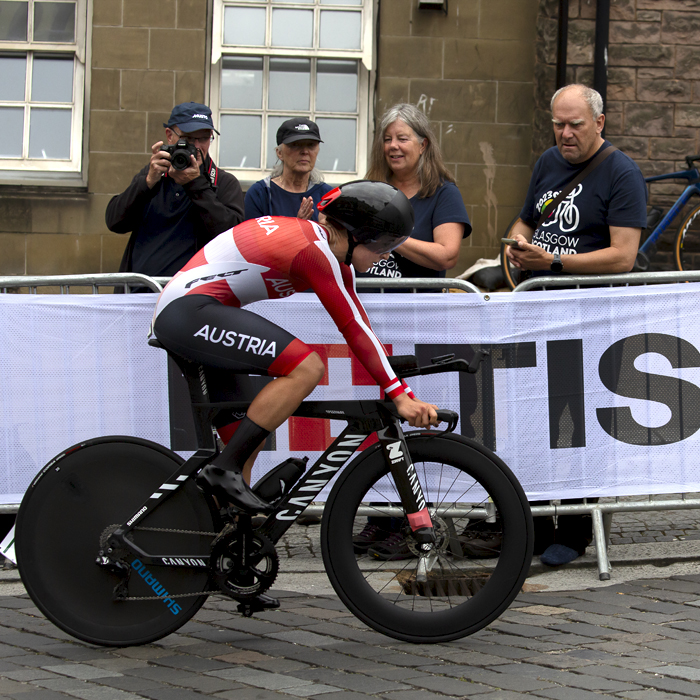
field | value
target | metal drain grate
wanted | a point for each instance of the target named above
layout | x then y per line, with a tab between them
458	585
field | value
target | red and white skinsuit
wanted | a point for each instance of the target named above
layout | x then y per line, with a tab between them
265	258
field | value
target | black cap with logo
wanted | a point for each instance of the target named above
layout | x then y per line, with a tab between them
298	129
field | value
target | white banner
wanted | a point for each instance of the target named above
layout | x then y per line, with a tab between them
585	392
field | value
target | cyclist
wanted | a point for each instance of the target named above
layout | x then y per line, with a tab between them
199	314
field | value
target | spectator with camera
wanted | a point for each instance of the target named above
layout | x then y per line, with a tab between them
179	201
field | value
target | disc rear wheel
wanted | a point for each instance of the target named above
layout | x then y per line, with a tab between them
70	511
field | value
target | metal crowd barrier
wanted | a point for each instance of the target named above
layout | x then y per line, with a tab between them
629	279
602	513
121	280
409	284
126	282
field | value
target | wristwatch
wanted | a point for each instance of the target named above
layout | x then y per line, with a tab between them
557	265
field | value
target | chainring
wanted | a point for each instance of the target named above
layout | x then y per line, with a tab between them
249	579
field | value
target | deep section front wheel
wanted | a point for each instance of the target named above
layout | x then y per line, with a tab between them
73	506
482	555
687	246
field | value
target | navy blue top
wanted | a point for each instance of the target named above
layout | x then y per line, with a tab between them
614	194
171	222
274	200
445	206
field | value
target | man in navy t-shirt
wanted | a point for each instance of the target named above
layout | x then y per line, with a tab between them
596	229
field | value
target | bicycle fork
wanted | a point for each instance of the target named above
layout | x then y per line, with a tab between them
397	456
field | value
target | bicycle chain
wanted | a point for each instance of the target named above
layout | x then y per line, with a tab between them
180	532
215	592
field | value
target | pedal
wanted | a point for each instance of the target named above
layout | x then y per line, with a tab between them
260	603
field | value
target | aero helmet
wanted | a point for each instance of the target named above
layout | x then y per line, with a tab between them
375	214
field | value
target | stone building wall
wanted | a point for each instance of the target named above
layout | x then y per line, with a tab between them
146	56
472	73
653	94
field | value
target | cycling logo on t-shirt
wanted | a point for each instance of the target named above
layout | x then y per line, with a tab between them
551	235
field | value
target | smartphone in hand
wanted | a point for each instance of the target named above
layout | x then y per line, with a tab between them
511	241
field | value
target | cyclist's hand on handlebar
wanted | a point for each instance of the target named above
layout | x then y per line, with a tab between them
418	413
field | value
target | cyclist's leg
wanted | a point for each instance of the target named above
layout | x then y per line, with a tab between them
225	386
270	408
202	329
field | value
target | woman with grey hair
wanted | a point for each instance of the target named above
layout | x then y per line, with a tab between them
294	187
406	154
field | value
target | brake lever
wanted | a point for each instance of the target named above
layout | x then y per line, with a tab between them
479	356
449	417
447	365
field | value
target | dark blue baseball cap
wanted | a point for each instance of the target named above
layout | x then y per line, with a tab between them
191	116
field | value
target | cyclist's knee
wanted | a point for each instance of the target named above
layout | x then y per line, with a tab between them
311	370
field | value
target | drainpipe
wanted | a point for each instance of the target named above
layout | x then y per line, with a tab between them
600	55
562	41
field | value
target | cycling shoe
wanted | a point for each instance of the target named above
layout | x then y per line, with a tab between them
230	487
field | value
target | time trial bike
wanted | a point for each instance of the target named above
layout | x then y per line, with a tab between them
117	545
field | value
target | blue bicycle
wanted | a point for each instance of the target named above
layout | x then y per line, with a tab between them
686	248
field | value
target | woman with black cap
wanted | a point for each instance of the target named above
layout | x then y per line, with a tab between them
294	187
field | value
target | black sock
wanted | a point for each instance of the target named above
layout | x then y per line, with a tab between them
243	443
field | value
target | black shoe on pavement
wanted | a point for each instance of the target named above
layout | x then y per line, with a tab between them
481	540
370	535
558	555
230	487
393	548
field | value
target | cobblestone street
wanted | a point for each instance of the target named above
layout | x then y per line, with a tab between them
634	639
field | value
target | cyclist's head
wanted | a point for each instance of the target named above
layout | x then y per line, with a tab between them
375	214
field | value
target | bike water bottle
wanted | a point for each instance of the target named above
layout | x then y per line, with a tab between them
280	479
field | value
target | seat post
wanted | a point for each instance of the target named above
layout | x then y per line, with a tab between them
199	395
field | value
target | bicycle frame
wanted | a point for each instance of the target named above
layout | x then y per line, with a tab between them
363	417
648	248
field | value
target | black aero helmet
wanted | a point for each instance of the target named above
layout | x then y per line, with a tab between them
375	214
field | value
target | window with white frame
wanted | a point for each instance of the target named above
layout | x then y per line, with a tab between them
42	76
276	59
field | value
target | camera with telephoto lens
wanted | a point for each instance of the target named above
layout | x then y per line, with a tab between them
180	153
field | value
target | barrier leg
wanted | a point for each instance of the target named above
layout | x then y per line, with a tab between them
607	526
601	545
